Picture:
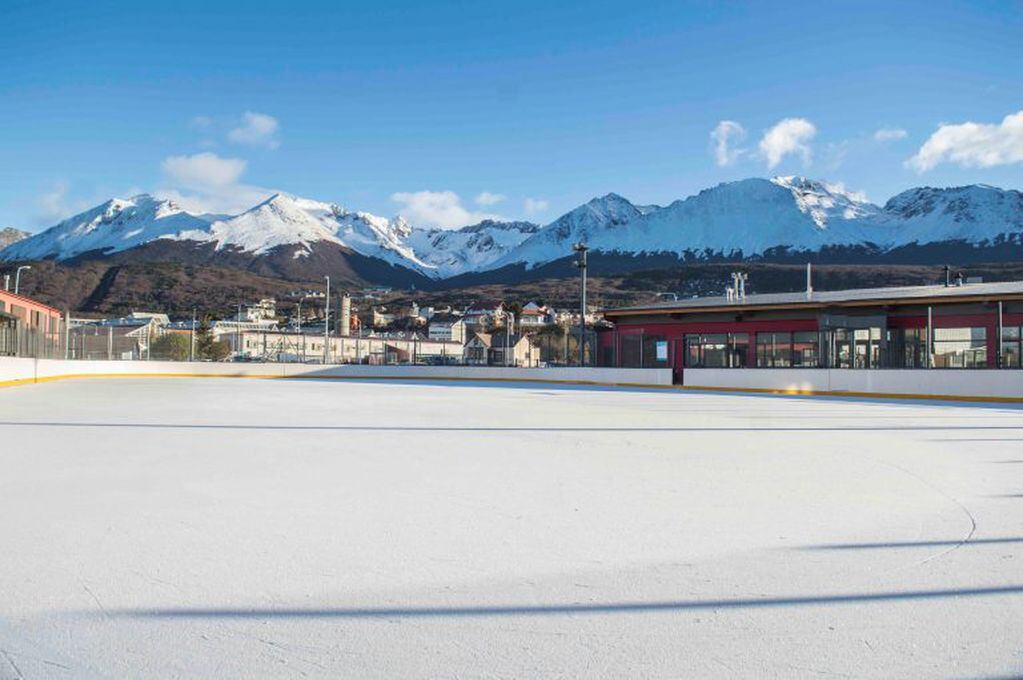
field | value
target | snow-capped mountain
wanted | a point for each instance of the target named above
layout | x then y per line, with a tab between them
116	225
284	220
602	220
777	218
470	248
748	218
11	235
977	214
784	215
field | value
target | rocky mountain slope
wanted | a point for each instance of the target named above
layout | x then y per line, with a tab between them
11	235
780	219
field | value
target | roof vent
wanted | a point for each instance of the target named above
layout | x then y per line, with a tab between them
739	285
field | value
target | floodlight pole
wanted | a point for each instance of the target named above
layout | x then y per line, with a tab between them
507	337
326	324
17	277
581	264
191	339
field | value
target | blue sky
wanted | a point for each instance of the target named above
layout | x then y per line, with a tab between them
448	111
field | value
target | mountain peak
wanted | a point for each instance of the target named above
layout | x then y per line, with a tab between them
11	235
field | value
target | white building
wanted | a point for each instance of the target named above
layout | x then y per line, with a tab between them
290	346
535	316
447	329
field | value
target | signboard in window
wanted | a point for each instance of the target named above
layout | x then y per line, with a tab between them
662	350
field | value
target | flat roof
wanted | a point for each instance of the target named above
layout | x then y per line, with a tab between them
826	298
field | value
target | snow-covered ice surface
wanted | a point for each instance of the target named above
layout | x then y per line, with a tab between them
246	528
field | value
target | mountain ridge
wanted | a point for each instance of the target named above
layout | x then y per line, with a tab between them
776	219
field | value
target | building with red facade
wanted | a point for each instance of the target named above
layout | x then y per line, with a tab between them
965	326
27	326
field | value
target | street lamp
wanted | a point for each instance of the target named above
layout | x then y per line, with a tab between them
507	338
580	263
17	277
326	324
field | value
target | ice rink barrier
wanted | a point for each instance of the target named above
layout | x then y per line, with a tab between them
15	371
964	384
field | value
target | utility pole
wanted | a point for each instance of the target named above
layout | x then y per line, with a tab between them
580	263
507	338
326	324
17	277
191	339
238	333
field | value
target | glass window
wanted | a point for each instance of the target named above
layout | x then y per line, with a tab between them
631	350
960	347
716	350
774	350
908	346
1011	346
655	351
805	352
738	349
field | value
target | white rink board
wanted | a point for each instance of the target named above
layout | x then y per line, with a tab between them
21	369
935	382
370	529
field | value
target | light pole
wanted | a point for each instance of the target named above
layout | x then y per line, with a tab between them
507	337
326	324
300	312
238	333
17	277
191	339
580	263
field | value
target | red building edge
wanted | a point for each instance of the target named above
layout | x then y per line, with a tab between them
27	324
973	325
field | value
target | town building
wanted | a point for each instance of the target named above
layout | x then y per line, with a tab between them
500	349
311	347
28	327
534	316
965	326
477	350
447	328
482	316
382	318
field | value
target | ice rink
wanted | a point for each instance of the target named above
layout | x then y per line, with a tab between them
270	528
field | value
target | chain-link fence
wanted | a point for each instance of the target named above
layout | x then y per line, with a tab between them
79	342
17	340
552	346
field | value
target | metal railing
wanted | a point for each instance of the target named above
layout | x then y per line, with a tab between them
119	343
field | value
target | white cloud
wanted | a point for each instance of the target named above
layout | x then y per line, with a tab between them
790	136
203	170
207	183
532	206
488	198
55	205
725	135
889	134
256	129
437	209
973	145
201	122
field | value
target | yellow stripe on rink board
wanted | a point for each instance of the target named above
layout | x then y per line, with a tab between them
846	393
694	388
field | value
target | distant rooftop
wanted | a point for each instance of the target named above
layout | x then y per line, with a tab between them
823	298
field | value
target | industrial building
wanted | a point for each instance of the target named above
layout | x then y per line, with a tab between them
955	326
